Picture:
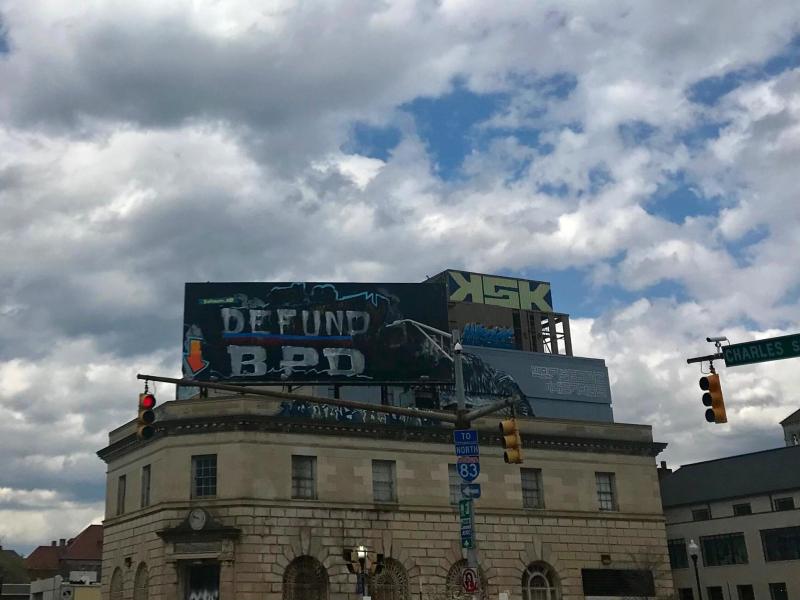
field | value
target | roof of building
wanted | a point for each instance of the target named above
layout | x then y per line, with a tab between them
792	418
44	558
88	545
733	477
12	566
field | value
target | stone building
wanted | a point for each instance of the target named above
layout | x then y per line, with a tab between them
231	500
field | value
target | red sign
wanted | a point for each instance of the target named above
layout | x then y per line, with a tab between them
469	580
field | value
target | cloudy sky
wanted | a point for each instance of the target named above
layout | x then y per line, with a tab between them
642	156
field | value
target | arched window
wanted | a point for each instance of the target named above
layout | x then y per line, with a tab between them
539	582
141	585
454	589
391	583
305	579
116	585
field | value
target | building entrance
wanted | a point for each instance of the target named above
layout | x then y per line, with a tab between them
202	582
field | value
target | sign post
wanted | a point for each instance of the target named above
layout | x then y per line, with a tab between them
469	467
777	348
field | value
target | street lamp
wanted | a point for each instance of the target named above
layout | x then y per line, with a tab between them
358	562
693	550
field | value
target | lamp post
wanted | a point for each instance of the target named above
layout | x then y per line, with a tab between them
358	562
693	550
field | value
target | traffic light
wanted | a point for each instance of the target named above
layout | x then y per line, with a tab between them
512	442
713	398
147	415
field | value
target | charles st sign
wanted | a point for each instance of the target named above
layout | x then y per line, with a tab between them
787	346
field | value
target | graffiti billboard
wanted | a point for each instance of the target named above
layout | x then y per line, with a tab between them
322	332
507	292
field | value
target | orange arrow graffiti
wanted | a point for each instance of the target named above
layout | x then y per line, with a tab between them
195	358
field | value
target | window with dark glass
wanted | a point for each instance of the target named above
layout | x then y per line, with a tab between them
121	485
304	485
145	486
781	544
745	592
678	559
630	583
724	549
777	591
204	476
701	514
742	509
606	493
685	594
715	593
784	503
383	481
532	496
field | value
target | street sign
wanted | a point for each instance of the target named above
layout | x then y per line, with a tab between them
469	580
465	508
777	348
466	442
469	471
471	490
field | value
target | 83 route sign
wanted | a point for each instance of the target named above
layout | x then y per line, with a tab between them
468	468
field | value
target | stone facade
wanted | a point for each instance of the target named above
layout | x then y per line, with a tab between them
256	529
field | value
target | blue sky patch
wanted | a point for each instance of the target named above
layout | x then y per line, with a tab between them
741	248
3	38
372	141
635	133
445	124
709	90
677	199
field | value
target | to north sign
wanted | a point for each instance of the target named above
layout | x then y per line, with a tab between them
746	353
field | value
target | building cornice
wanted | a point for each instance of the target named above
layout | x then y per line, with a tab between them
428	435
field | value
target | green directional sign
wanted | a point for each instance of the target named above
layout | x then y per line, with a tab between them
746	353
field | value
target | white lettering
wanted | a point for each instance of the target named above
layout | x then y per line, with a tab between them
285	316
257	320
297	356
232	313
352	317
336	319
253	358
356	359
317	319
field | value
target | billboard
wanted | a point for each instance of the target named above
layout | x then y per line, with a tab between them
308	331
507	292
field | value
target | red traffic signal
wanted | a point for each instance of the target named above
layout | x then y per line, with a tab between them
146	417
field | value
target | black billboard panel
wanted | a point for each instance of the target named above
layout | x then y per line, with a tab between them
321	332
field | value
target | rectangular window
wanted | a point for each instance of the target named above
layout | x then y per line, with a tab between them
454	483
678	559
701	514
685	594
745	592
383	481
304	477
204	476
606	496
715	593
635	583
121	485
777	591
740	510
781	544
784	503
724	549
145	486
532	492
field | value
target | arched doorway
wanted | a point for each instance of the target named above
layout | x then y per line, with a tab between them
115	593
391	583
540	582
305	578
454	589
141	584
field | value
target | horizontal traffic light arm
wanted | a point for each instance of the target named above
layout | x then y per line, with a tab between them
241	389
